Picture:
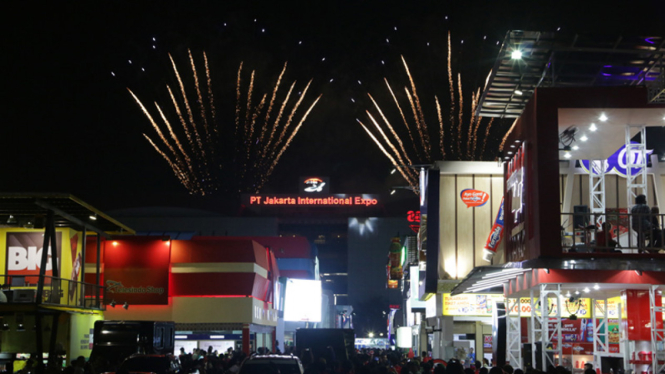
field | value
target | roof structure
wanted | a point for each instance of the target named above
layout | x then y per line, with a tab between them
30	209
531	59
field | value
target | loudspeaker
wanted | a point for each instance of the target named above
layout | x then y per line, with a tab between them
580	216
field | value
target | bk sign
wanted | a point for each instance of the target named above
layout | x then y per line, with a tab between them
24	254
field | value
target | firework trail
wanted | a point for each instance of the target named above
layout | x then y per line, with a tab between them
385	138
441	134
451	85
392	160
420	109
200	97
210	96
487	135
238	99
505	137
392	130
272	101
189	109
455	124
401	112
202	172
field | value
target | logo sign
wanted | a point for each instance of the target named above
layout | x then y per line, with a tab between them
515	184
24	255
474	198
616	163
314	185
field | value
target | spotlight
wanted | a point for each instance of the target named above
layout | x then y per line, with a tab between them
11	219
568	296
393	192
393	171
584	138
586	289
575	148
596	286
567	155
20	327
112	304
602	117
93	217
593	127
516	55
125	306
547	270
638	272
518	93
577	292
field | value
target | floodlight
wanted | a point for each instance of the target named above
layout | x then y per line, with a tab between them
516	55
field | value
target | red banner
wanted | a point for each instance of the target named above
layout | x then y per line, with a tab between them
136	271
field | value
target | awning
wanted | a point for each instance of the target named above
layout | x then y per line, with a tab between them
488	279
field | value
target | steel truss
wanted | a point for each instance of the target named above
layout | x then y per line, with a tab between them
601	334
551	340
636	183
597	169
657	330
513	332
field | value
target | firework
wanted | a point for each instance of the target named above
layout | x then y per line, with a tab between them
458	125
232	159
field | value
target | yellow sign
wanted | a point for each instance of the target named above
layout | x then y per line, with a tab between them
476	305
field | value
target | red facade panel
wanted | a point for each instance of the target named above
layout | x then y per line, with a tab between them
219	250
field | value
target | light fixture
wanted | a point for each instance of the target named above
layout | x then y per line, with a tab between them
509	152
575	148
577	292
393	171
11	219
125	306
547	270
393	192
512	146
584	138
593	127
567	154
586	289
602	117
115	244
638	272
380	334
371	334
518	92
596	286
516	55
112	303
93	217
30	224
568	294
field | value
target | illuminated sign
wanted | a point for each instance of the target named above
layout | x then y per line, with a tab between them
474	198
515	184
329	201
616	163
314	185
24	255
413	216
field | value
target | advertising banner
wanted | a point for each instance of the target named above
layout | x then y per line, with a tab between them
303	301
474	198
577	335
137	271
479	305
396	271
495	237
24	253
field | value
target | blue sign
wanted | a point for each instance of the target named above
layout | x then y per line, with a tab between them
616	163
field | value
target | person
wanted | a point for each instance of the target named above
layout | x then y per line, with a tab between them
588	369
425	358
604	241
656	231
641	222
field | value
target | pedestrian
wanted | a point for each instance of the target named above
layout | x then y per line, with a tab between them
641	220
656	231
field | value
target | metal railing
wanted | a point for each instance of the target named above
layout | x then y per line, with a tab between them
612	232
57	291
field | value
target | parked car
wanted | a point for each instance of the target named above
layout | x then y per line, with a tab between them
158	364
272	364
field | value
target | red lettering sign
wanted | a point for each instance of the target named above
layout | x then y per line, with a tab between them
474	198
331	201
413	216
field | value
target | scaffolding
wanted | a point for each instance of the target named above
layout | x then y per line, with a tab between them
636	158
513	332
601	334
657	330
551	341
597	169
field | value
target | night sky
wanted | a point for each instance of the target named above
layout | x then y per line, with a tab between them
70	126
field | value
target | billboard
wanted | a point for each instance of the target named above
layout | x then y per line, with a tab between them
24	252
137	271
302	302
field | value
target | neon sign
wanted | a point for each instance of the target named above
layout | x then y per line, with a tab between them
314	185
340	200
515	184
413	216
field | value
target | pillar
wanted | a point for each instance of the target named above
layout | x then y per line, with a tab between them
245	339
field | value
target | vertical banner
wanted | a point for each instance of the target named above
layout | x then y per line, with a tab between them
136	271
432	226
496	235
24	253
